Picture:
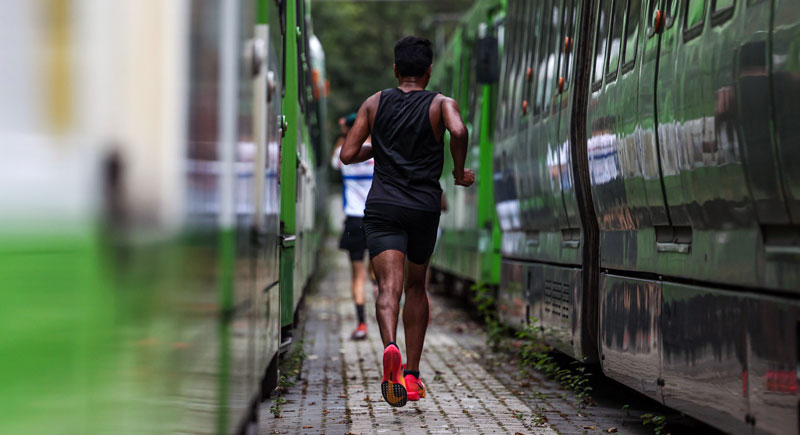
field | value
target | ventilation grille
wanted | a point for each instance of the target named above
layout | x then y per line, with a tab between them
557	299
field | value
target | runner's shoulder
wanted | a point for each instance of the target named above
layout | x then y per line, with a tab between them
441	99
373	100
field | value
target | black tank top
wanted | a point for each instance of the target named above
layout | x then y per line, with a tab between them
408	158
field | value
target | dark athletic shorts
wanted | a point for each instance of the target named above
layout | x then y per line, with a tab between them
353	239
412	232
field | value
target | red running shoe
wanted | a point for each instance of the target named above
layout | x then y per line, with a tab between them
360	333
393	384
415	388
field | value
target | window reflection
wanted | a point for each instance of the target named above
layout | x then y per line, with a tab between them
602	39
632	29
616	35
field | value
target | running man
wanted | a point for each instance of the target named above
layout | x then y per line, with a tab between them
356	181
407	125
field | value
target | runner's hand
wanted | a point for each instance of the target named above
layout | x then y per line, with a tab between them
466	179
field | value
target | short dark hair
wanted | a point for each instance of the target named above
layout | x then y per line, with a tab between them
413	56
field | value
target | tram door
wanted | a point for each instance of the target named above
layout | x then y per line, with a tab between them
265	226
672	229
257	52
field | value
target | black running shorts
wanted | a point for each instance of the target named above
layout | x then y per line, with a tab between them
353	238
412	232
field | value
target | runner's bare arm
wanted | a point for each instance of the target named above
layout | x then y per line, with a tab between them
459	138
335	162
354	150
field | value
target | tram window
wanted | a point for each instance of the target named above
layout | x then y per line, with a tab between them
504	74
282	11
556	39
505	82
651	10
510	56
601	39
301	85
514	103
670	7
567	47
541	57
530	49
470	71
632	32
721	11
616	35
501	35
695	11
516	61
548	33
524	55
535	21
719	5
573	16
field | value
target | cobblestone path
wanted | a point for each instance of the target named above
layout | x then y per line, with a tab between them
338	390
339	387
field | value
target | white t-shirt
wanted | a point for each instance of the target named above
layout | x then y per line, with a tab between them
356	182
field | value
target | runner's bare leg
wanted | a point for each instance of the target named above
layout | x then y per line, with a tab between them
388	267
358	280
415	313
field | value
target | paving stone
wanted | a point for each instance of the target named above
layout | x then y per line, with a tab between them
470	388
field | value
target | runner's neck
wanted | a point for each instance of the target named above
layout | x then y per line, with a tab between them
408	84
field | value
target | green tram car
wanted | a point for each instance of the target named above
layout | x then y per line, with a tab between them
646	185
159	215
469	244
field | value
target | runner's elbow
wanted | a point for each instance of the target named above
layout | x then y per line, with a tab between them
346	157
459	132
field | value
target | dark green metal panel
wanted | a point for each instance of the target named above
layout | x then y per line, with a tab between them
262	11
291	112
469	245
487	214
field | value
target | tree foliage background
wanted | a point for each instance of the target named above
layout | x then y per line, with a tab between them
359	36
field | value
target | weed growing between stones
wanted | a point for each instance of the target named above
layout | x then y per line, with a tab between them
277	408
659	423
487	309
290	371
534	353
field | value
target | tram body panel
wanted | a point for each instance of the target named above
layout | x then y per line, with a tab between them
785	63
771	379
167	320
754	113
458	248
564	105
466	248
630	332
623	164
719	210
687	184
513	308
267	233
781	242
531	156
704	355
